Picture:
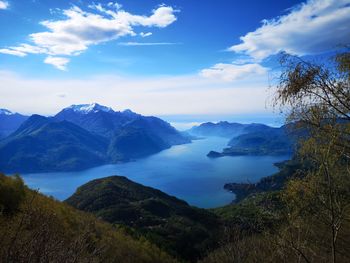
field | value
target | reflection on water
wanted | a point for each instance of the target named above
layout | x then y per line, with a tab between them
183	171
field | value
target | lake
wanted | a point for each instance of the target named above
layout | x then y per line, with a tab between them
183	171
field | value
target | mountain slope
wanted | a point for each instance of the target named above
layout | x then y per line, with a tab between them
270	141
226	129
273	141
9	122
96	118
131	143
36	228
42	144
159	128
171	223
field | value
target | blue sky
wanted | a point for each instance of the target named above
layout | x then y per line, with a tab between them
172	58
197	39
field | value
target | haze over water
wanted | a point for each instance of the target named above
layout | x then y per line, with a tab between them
183	171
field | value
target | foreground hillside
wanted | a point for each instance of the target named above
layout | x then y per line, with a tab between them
266	224
35	228
184	231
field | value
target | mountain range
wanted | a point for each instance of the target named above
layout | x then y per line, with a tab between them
272	141
226	129
83	136
248	139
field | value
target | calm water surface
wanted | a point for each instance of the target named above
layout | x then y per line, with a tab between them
183	171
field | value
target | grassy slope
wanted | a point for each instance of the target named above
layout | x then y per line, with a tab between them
35	228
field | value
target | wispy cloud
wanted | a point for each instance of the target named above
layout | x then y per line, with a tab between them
58	62
80	29
147	43
13	52
232	72
143	34
312	27
4	5
22	50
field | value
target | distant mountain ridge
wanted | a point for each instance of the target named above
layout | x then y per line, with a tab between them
267	141
226	129
9	122
83	136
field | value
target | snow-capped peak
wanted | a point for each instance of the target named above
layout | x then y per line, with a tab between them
5	112
89	108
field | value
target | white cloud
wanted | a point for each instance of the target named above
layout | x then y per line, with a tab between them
13	52
232	72
4	5
80	29
22	50
58	62
143	34
115	5
312	27
147	43
190	94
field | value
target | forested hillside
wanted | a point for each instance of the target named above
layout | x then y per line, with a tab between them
36	228
183	231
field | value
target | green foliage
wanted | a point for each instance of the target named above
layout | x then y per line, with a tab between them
12	193
318	204
183	231
238	247
44	230
254	214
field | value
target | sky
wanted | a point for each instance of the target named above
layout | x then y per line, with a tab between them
185	60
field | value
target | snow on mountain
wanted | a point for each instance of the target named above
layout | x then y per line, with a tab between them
6	112
89	108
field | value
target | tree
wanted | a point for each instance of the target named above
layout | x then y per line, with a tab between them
317	96
11	194
317	100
